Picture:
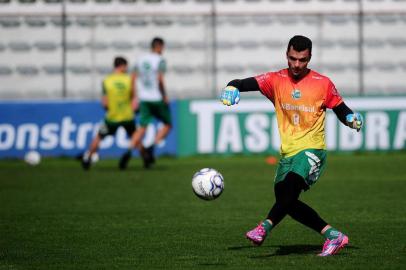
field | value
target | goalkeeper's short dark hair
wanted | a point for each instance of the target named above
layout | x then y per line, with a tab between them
157	41
300	43
120	61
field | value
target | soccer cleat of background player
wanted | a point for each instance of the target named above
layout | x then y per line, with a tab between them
300	96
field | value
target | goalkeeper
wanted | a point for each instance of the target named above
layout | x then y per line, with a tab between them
300	96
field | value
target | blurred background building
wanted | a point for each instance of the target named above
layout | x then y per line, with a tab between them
51	49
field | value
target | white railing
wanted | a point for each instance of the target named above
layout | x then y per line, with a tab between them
166	7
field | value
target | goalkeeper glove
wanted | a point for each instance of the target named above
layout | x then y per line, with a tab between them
230	95
355	121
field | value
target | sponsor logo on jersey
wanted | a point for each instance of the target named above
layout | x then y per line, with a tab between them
292	107
296	94
146	66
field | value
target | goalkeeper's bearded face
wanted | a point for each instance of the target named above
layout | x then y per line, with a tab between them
298	61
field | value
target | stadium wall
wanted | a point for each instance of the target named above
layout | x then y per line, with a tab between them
65	128
63	49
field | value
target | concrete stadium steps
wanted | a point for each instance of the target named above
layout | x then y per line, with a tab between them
31	47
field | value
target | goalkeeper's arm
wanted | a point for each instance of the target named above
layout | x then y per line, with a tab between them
230	95
245	85
342	111
348	117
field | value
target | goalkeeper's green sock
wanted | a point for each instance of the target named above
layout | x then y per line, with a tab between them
331	233
267	225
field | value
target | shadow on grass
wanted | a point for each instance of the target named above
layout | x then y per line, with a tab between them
246	247
139	168
290	250
286	250
211	264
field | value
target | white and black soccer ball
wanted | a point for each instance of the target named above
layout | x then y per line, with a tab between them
32	158
95	157
208	184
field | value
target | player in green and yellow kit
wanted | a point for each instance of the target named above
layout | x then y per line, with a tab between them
117	100
300	96
151	98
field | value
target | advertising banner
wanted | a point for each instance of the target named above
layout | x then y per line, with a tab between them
208	127
65	128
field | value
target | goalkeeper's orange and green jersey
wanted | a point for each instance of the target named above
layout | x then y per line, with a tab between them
300	108
117	88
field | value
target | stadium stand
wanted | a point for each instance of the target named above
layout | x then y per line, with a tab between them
9	22
5	71
35	22
27	70
251	37
53	69
19	46
46	46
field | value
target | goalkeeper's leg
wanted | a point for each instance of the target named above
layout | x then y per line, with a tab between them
286	193
306	215
297	209
334	239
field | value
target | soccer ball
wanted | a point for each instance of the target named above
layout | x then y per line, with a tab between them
95	158
208	184
33	158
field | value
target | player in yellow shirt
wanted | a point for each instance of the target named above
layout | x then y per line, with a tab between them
301	97
117	100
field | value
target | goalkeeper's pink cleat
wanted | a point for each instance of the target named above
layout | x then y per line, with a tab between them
257	235
332	247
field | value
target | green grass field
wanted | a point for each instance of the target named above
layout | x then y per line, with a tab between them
57	216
